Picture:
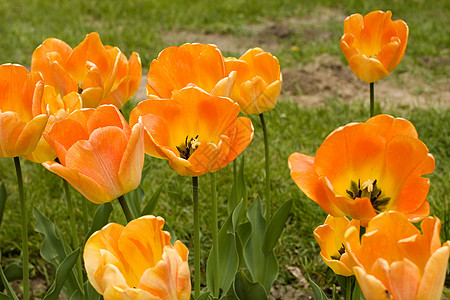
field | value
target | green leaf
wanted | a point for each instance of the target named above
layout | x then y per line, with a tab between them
2	201
13	271
263	268
204	296
238	213
247	290
64	269
5	297
276	227
318	293
89	292
53	249
9	290
238	189
101	218
151	204
357	294
243	234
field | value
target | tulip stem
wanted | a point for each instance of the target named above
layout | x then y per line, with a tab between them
125	208
85	216
75	240
23	213
348	288
372	99
267	165
196	238
215	235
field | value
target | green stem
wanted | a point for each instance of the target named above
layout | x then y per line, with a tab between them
348	288
267	158
75	241
215	234
372	99
23	213
85	216
125	208
235	171
196	238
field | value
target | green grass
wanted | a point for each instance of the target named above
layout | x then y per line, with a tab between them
142	25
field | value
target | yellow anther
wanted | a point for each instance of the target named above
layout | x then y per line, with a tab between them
367	185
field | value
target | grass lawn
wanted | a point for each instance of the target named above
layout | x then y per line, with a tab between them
314	29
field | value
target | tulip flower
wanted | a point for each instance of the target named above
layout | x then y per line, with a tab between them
394	260
195	131
258	81
137	262
190	64
58	108
374	44
99	155
22	120
331	236
100	74
363	169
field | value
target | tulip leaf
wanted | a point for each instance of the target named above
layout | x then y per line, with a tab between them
2	201
6	284
238	213
247	290
101	218
133	200
89	292
4	297
151	204
238	189
318	292
13	271
276	227
263	268
53	249
204	296
243	234
357	294
62	272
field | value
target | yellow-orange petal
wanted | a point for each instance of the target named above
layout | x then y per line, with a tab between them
353	24
389	53
367	69
371	287
107	115
404	278
116	293
433	278
65	82
130	170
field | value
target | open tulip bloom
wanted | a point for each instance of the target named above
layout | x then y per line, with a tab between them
100	74
195	131
374	44
330	236
99	155
137	262
22	119
394	260
363	169
258	81
190	64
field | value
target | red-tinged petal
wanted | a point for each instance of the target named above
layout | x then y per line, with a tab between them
40	61
358	208
99	159
367	69
63	135
107	115
422	212
85	185
133	159
433	278
404	278
371	287
142	243
316	188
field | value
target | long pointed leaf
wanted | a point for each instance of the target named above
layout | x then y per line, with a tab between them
64	269
101	218
318	292
9	290
247	290
276	227
151	204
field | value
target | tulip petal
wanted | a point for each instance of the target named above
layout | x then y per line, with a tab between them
116	293
65	81
353	24
371	287
389	53
404	278
130	170
368	69
433	278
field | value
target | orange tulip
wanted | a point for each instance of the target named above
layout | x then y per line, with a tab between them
22	120
58	109
330	237
190	64
99	154
137	262
394	260
363	169
374	44
258	81
196	132
100	74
